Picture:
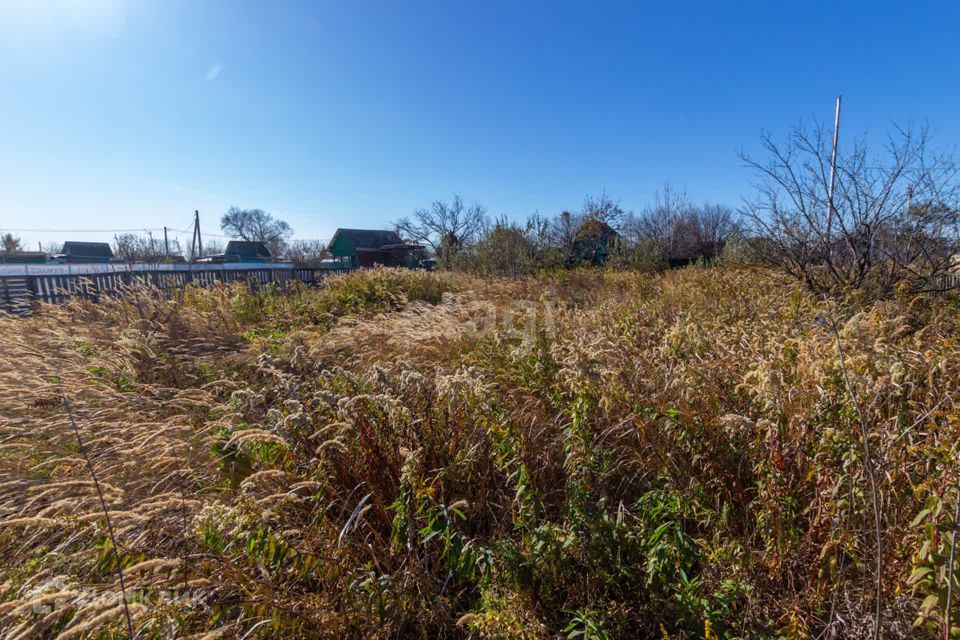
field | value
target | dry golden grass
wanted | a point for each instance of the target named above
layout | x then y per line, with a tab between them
419	455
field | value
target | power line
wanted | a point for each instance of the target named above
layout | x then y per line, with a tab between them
179	232
140	229
216	235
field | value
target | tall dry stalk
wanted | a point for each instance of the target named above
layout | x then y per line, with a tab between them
103	505
870	468
184	523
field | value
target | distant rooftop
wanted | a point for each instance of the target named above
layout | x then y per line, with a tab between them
87	249
368	238
247	249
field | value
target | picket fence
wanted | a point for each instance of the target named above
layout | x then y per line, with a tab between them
21	286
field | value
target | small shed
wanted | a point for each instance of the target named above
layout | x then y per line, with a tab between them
247	251
85	252
369	247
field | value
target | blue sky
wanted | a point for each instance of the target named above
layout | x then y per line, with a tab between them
128	114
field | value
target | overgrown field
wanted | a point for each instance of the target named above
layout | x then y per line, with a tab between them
416	455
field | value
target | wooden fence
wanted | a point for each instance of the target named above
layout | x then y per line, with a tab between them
949	282
19	291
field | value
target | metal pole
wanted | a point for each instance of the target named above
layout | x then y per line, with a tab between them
196	223
833	169
193	243
166	243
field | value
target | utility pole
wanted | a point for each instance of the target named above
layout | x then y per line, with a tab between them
196	243
831	210
166	243
196	223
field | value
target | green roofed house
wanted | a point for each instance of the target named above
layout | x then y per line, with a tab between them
246	251
369	247
85	252
594	240
240	251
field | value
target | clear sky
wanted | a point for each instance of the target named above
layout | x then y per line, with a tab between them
129	114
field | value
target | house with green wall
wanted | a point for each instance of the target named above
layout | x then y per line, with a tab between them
370	247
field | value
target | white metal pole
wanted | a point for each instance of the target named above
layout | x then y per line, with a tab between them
833	169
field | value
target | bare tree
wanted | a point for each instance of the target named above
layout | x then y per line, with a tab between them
603	209
563	235
537	233
678	232
700	233
444	227
502	250
11	243
131	247
213	247
716	223
307	251
256	225
661	223
892	219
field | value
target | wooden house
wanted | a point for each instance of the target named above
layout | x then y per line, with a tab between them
85	253
241	251
370	247
246	251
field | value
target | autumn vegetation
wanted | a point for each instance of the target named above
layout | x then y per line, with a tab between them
679	424
579	453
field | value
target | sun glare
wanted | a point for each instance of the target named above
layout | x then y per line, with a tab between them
33	20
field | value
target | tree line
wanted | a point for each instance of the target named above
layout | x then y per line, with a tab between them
862	220
669	232
857	218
